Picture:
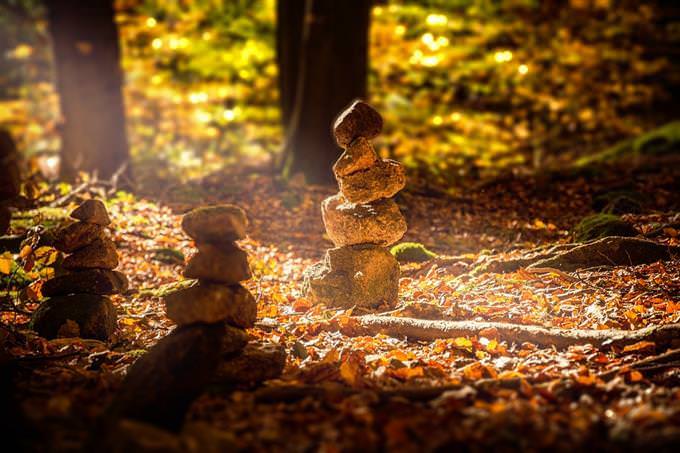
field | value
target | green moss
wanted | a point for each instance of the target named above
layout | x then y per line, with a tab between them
601	225
47	217
168	255
412	252
619	202
660	141
167	289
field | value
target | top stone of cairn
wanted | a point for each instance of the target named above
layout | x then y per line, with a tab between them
92	211
357	120
222	223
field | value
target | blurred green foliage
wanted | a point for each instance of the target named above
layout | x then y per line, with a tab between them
467	87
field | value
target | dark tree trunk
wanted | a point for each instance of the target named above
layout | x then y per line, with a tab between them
89	80
323	62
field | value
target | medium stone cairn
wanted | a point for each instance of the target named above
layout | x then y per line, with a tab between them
219	268
210	342
361	220
77	304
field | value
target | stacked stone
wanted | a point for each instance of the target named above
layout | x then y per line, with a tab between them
79	294
361	220
219	268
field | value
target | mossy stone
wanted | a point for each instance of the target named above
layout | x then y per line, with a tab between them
412	252
598	226
619	202
94	315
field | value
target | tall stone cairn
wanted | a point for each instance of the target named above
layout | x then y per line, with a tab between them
219	268
361	220
77	302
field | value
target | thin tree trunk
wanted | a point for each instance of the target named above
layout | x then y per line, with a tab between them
323	61
89	80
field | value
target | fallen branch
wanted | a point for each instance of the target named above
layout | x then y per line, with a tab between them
655	363
429	330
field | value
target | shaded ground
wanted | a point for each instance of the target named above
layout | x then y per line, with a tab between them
538	398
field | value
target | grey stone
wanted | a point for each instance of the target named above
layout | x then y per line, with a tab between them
100	254
92	211
359	156
224	264
76	235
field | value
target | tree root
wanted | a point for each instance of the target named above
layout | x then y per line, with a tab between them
429	330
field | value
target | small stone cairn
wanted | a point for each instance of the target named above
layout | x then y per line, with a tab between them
219	268
77	304
361	220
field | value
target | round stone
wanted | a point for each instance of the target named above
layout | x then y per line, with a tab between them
92	211
378	222
357	120
383	180
216	223
224	264
100	254
210	303
90	281
82	315
76	235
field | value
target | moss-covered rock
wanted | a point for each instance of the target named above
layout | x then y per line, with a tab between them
661	141
412	252
602	225
619	202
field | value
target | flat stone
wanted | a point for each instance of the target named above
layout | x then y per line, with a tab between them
234	340
210	303
383	180
100	254
220	223
359	156
255	364
92	211
94	316
76	235
161	385
224	264
357	120
5	219
378	222
90	281
362	275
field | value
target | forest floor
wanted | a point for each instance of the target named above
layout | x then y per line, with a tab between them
361	391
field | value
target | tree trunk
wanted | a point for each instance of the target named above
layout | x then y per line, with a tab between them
323	62
89	80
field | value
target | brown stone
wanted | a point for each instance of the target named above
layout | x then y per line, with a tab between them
90	281
216	223
234	340
92	211
357	120
256	364
383	180
161	385
378	222
362	275
76	235
225	264
359	156
99	254
95	316
210	303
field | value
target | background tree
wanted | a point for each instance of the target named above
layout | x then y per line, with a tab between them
89	79
322	52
